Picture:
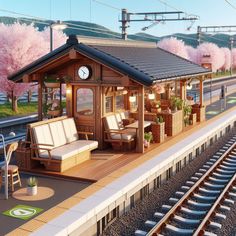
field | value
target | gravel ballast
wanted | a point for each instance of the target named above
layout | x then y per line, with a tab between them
134	219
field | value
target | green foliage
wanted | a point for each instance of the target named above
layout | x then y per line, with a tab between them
23	109
32	181
187	110
161	119
51	79
148	136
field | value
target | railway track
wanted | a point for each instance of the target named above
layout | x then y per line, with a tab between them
201	204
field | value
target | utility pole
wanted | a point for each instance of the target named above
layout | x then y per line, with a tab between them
199	35
154	17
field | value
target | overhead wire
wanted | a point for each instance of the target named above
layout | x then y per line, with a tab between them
229	3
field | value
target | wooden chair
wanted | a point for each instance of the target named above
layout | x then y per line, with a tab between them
13	172
116	134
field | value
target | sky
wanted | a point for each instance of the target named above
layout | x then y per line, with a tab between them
108	12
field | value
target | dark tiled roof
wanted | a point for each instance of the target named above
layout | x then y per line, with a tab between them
143	64
155	63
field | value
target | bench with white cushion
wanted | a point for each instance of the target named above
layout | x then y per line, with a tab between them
116	134
57	144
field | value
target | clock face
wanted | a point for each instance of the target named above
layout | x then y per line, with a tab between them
84	72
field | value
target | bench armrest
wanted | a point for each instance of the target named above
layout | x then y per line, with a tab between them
43	144
45	149
86	133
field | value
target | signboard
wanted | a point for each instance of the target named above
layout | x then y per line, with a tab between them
22	212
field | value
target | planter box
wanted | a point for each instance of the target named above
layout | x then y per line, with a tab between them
54	113
52	85
158	132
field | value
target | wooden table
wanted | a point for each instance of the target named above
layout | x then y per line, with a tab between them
43	193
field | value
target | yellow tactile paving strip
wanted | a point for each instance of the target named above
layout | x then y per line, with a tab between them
75	199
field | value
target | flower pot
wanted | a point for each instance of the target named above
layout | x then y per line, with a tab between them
31	191
52	85
54	113
146	143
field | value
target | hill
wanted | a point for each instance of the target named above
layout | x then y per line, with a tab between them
95	30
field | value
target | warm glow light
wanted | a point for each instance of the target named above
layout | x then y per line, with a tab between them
151	96
189	86
68	91
58	25
132	98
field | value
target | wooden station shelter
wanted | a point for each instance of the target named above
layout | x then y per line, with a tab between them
104	74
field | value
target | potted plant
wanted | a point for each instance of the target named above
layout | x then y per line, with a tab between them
147	139
158	130
187	112
32	186
179	103
54	108
173	103
52	81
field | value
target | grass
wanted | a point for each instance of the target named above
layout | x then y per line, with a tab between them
23	109
222	74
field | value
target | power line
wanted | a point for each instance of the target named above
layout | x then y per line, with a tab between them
107	5
229	3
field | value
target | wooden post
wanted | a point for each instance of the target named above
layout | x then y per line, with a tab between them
140	147
183	95
69	100
201	92
40	99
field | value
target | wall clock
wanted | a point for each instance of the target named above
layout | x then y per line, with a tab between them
84	72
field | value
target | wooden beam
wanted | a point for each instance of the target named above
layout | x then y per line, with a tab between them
40	100
201	91
73	54
140	146
183	94
69	100
26	78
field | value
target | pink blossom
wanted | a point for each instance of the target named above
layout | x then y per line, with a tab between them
227	57
192	53
20	45
210	53
234	57
174	46
158	88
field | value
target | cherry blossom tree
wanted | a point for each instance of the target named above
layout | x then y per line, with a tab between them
210	53
227	58
174	46
21	44
234	58
192	53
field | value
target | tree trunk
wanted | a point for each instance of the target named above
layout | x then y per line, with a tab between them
14	104
29	93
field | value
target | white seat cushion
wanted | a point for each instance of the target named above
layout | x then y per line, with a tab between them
70	130
71	149
112	122
58	134
119	121
125	136
43	135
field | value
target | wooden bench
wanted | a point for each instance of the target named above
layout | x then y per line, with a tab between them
55	143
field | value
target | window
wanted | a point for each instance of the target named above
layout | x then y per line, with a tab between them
202	147
197	152
178	166
120	102
185	161
157	182
109	104
211	141
144	191
132	203
84	101
190	156
169	173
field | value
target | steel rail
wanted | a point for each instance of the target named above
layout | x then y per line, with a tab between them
206	220
159	226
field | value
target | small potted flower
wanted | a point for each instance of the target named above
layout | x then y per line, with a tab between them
54	108
147	139
32	186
